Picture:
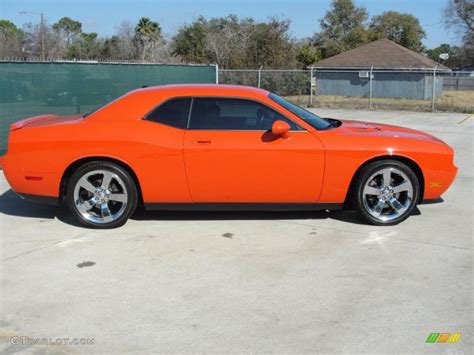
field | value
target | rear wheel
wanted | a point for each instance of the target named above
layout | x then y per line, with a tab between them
101	195
386	192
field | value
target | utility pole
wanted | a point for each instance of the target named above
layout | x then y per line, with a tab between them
433	93
42	37
370	87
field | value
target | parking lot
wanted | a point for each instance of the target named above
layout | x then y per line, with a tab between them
296	282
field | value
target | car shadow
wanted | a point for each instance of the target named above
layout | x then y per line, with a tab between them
144	215
11	204
352	217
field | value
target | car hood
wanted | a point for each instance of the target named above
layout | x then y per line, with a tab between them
350	127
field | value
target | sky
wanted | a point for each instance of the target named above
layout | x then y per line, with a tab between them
103	16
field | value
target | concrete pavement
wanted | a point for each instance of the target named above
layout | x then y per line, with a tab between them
245	282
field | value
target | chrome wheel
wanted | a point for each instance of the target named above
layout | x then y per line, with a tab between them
387	194
100	196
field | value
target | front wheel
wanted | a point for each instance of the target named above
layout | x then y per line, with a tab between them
386	192
101	195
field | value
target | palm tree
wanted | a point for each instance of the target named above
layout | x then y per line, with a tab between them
148	34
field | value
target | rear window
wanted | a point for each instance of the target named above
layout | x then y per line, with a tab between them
174	113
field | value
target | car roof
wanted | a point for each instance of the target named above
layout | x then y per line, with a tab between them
144	99
204	89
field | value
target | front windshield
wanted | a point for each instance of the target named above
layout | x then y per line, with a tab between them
309	117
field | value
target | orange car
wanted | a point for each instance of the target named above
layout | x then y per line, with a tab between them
221	147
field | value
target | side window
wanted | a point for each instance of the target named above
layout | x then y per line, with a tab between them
174	113
233	114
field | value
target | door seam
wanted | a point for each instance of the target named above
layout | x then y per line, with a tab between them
185	166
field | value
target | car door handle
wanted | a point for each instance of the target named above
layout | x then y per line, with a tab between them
202	141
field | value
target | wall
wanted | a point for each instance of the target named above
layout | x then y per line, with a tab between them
412	85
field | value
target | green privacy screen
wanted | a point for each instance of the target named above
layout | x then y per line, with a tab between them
31	89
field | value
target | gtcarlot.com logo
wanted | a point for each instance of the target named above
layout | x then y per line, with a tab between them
28	341
444	338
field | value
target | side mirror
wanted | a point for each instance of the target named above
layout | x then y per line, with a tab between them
281	128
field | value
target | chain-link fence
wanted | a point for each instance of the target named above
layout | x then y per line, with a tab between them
294	84
395	89
32	88
35	88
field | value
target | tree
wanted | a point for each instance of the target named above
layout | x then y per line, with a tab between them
404	29
220	40
8	28
190	41
147	36
123	44
271	46
11	40
111	49
69	27
460	14
465	53
236	43
86	46
54	45
342	28
307	54
453	60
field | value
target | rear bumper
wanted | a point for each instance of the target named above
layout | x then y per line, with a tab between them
26	185
27	175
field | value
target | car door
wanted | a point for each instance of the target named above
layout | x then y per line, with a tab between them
160	161
231	155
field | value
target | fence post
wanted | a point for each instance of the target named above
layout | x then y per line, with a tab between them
370	87
311	87
259	75
217	73
433	94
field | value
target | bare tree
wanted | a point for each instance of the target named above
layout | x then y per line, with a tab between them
459	14
55	45
125	46
162	52
220	42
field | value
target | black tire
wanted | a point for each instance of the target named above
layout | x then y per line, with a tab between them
121	177
363	208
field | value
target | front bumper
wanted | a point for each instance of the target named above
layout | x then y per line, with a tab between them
438	182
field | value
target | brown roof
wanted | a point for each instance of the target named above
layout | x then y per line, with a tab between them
382	53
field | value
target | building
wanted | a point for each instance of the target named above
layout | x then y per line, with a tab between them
382	68
467	70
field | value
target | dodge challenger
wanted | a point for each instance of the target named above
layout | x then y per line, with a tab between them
220	147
